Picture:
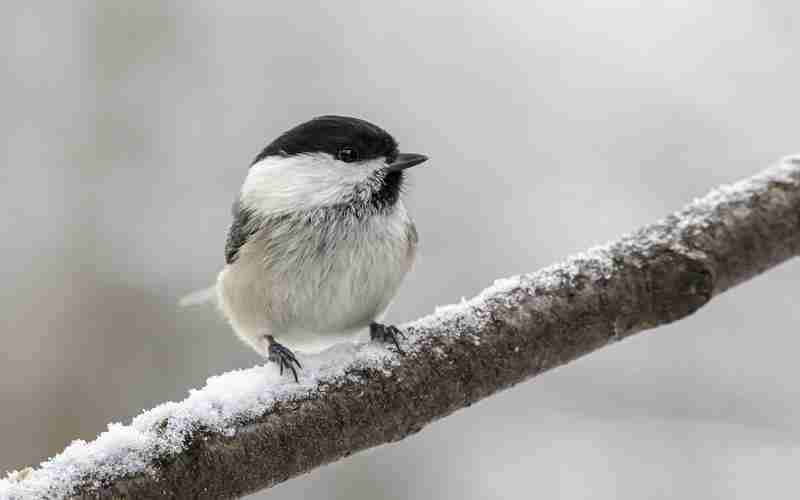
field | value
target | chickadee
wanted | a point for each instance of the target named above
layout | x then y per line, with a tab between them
320	239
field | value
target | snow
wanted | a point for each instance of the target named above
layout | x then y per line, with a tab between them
234	397
227	399
242	395
597	263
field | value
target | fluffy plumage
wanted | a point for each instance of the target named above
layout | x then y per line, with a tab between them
318	246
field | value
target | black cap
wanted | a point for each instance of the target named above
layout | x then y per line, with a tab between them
343	137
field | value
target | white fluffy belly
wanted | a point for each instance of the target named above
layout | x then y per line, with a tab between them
311	300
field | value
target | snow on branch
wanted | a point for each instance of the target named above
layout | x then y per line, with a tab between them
250	429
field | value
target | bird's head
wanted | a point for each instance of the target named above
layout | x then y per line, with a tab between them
327	161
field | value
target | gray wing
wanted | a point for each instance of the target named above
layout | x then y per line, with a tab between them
242	227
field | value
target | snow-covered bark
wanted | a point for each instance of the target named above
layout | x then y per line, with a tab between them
250	429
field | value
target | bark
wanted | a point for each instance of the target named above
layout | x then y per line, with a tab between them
510	333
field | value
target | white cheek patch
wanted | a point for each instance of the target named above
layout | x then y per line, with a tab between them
287	184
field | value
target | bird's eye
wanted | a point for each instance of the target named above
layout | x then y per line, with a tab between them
347	155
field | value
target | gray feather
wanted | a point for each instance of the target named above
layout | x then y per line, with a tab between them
244	225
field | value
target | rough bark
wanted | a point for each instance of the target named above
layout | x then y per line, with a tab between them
510	333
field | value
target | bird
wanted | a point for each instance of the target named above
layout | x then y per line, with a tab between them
320	240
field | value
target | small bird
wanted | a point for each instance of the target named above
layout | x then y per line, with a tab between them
320	239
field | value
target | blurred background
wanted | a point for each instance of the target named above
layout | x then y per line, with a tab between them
552	126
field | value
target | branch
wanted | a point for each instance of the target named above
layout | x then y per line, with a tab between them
251	429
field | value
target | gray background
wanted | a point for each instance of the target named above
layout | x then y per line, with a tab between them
552	126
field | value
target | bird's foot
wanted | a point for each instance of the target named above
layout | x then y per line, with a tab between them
386	333
282	355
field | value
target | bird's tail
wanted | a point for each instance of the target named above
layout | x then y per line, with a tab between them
199	297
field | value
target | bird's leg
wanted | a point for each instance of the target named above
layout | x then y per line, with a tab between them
281	355
386	333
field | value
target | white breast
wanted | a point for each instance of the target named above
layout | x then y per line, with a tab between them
324	287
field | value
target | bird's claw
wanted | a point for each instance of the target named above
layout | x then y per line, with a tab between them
386	333
283	356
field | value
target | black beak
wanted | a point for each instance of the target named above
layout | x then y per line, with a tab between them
406	160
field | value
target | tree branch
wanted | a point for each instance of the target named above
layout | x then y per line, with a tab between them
250	429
